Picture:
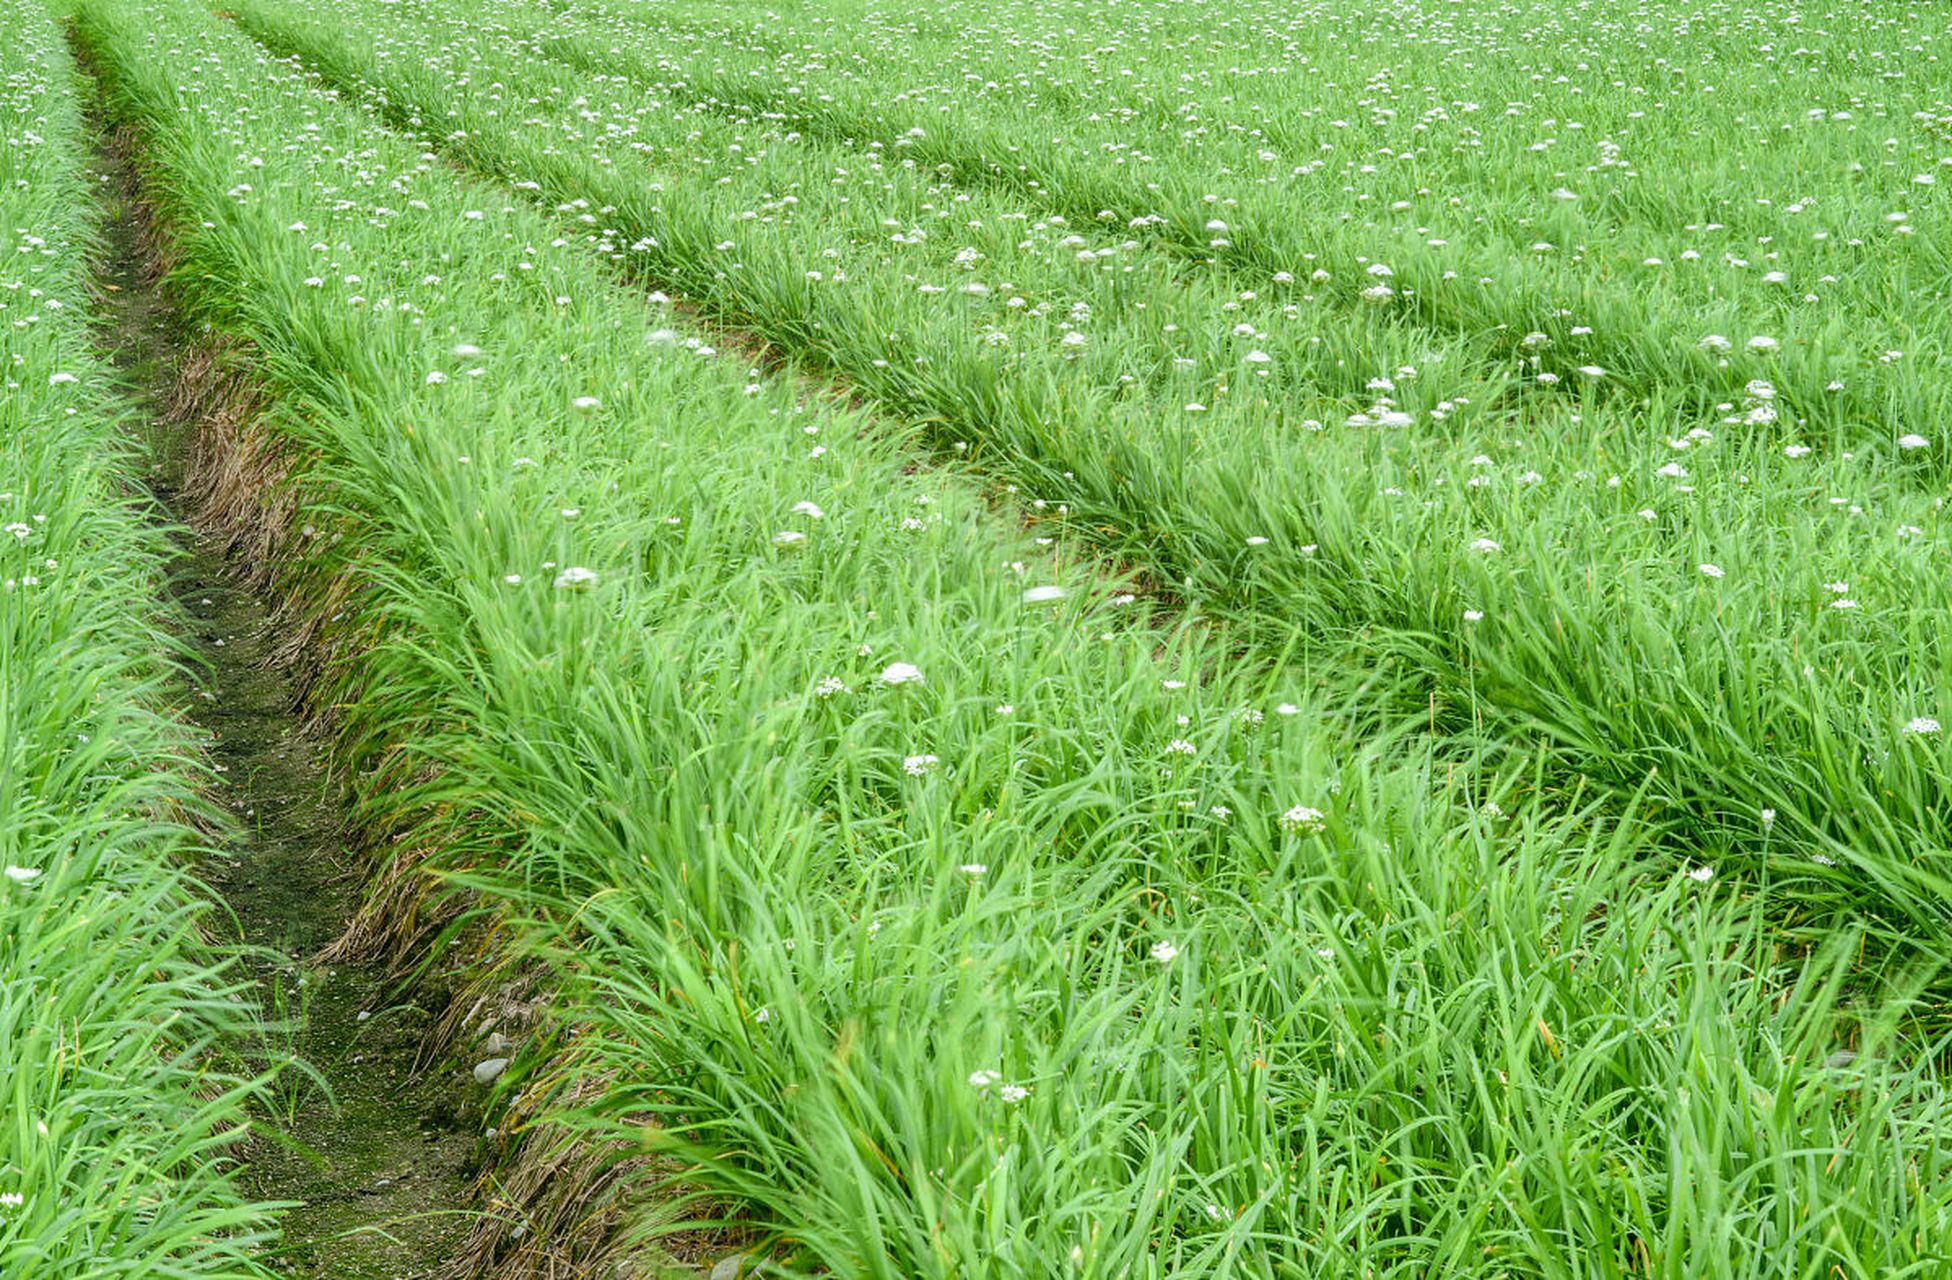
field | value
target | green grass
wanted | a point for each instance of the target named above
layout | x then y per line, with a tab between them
1572	515
1122	942
119	1020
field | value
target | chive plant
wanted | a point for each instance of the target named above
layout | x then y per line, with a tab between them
915	886
1725	605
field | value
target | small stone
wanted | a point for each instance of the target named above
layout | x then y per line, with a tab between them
364	1014
498	1044
487	1071
732	1267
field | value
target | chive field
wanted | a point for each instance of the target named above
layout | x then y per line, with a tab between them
1161	639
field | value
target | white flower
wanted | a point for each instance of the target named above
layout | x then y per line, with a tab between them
1592	371
1181	747
1043	595
1474	615
973	868
1701	875
435	378
61	379
830	686
1768	818
1257	541
1013	1092
467	351
919	766
1483	546
1796	450
576	577
787	537
1287	709
980	1080
809	510
11	1199
1921	724
512	579
1710	570
585	403
900	673
1763	342
1164	952
1302	820
23	875
1913	442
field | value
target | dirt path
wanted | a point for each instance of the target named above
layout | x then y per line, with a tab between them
370	1145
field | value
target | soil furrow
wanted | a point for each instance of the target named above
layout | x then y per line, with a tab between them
370	1149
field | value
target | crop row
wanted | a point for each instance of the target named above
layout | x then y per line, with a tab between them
119	1022
1474	210
914	885
1739	622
